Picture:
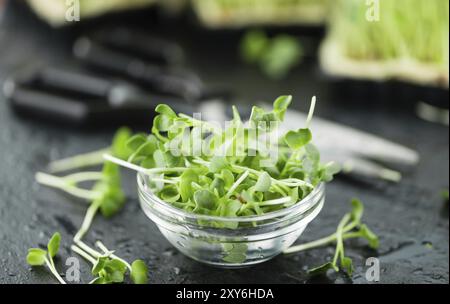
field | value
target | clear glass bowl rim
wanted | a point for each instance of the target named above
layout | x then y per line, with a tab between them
318	190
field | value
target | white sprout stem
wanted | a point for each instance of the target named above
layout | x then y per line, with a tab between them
137	168
102	247
163	180
321	242
54	272
165	170
294	182
201	161
124	163
51	261
237	183
78	161
84	176
88	218
84	254
339	239
311	112
94	253
62	184
279	189
277	201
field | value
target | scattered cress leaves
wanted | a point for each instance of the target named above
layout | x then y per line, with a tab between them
40	257
36	256
105	196
350	227
118	148
53	244
139	272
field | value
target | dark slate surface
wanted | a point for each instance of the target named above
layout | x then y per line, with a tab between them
407	216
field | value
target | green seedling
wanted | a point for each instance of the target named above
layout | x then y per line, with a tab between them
404	30
107	268
41	257
105	196
350	227
275	56
118	148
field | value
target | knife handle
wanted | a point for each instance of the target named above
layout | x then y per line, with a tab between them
74	82
142	45
45	106
159	79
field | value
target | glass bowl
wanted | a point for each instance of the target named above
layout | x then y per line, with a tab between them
249	240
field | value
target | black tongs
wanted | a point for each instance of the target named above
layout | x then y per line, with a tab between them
147	61
78	97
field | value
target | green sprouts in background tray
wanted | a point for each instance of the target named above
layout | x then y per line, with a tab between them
403	39
240	13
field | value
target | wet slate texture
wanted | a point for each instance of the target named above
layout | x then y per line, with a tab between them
411	218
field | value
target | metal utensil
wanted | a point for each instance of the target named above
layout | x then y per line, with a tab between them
356	151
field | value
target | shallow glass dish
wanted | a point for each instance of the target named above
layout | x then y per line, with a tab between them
256	238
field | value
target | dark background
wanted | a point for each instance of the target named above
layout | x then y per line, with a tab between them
406	216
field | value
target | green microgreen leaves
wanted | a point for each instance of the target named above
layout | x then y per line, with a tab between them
108	268
323	268
36	256
234	253
118	148
445	195
53	244
263	183
109	271
297	139
112	197
349	227
211	182
275	56
218	163
280	106
165	110
105	196
267	121
218	181
205	199
139	272
186	179
40	257
411	30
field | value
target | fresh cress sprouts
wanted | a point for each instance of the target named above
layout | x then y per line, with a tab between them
349	227
41	257
204	169
108	268
231	173
275	56
413	29
407	40
117	148
105	196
